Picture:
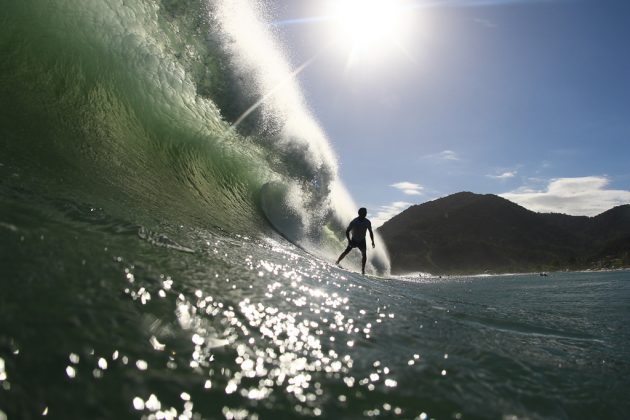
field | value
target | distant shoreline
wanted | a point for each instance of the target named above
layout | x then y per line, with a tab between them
427	275
473	234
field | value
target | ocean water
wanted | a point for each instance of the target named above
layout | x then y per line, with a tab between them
168	213
99	321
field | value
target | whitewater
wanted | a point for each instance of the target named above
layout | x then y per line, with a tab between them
169	211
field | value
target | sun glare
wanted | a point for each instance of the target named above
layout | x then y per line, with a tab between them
368	24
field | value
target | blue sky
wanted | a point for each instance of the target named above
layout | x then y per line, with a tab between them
526	99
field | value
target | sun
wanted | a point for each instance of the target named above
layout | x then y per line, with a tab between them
368	24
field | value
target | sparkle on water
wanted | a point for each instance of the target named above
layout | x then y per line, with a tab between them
280	340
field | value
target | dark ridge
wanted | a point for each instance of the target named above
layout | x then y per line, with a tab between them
474	233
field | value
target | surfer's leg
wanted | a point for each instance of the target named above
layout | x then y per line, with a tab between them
363	260
343	254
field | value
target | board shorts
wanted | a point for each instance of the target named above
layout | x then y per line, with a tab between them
357	243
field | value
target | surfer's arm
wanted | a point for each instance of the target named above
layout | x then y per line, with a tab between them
371	235
348	231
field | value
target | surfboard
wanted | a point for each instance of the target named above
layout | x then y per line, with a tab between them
357	273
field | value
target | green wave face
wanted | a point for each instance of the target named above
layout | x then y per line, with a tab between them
146	109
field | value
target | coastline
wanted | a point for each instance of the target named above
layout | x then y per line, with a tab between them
427	275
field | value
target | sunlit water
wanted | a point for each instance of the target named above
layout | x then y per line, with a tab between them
102	319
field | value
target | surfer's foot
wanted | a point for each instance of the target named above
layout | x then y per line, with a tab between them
363	273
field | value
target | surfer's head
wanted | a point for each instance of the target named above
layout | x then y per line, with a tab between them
362	212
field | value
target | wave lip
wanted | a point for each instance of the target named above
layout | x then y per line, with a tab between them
308	204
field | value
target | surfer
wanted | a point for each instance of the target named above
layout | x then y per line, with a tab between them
358	227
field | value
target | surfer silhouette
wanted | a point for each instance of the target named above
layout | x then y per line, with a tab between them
358	227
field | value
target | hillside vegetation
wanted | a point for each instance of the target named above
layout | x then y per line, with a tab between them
473	233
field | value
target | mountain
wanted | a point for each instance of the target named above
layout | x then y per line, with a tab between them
474	233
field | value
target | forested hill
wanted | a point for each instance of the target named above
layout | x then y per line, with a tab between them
474	233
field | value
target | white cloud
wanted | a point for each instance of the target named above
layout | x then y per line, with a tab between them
408	188
384	213
504	175
443	155
583	196
448	155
